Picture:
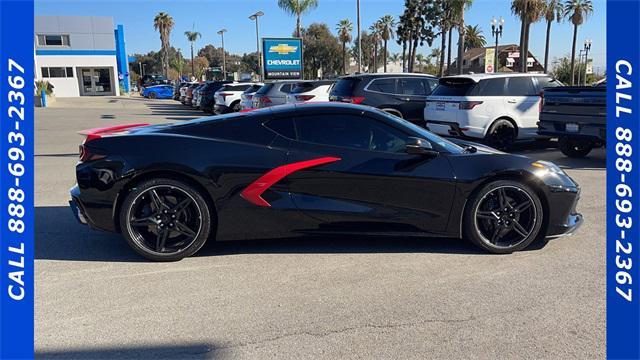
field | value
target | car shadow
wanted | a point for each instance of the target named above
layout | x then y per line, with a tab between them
58	236
169	351
548	150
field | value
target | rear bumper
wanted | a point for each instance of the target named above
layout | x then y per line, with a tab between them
450	128
221	109
589	132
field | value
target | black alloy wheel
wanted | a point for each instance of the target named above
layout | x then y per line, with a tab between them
505	216
237	107
501	135
152	95
165	220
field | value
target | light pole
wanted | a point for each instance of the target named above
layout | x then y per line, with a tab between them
224	65
496	30
587	48
179	63
579	64
359	38
255	17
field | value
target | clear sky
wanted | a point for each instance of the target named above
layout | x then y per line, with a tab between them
209	16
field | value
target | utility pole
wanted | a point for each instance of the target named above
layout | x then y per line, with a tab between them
255	17
224	65
359	39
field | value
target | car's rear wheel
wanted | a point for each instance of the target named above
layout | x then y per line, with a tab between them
165	219
502	134
152	95
574	148
503	216
236	107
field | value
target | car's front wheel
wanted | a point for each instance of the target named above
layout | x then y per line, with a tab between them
503	216
165	219
152	95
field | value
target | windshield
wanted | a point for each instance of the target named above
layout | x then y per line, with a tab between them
454	87
436	140
345	87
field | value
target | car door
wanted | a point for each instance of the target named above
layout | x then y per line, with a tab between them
412	94
521	102
368	183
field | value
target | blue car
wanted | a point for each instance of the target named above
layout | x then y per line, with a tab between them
158	92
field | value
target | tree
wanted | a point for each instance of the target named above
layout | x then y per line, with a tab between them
163	23
395	57
417	24
213	55
529	12
473	38
577	11
420	59
562	70
250	63
552	12
192	36
375	33
344	28
458	11
201	65
386	26
297	8
321	51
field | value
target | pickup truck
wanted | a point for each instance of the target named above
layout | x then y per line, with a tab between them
576	115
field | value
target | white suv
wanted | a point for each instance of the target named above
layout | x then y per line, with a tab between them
228	97
499	108
311	91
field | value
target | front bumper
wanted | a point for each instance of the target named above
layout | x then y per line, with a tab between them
564	218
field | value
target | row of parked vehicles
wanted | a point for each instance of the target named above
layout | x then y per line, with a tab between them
498	109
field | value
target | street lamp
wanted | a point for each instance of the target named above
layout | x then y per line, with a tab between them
224	65
587	48
496	30
255	17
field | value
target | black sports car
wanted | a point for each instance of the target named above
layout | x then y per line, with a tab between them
311	169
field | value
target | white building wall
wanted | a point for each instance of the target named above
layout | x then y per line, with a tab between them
70	87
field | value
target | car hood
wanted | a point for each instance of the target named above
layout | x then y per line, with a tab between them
481	148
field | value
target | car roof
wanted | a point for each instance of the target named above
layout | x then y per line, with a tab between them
478	77
314	108
354	75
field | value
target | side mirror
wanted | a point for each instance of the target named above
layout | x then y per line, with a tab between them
418	146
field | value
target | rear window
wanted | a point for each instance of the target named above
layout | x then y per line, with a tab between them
240	128
236	87
264	89
547	82
454	87
303	87
345	87
252	89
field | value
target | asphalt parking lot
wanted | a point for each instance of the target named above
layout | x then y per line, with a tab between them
354	298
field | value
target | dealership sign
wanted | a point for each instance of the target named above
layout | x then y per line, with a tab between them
282	58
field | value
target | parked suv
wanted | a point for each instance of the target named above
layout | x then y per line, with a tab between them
228	97
246	98
274	93
499	108
311	91
207	94
402	95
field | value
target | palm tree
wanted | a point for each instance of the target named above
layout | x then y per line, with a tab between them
420	59
386	24
552	12
529	12
395	57
344	28
473	38
192	36
163	23
577	11
297	8
458	12
376	35
436	53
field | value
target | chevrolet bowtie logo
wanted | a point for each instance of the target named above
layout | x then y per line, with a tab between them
283	49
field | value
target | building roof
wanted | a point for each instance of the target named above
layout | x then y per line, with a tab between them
474	53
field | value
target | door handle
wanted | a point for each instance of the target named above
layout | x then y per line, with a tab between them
511	101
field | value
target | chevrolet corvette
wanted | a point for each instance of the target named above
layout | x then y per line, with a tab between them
311	169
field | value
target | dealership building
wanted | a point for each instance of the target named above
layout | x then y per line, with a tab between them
81	55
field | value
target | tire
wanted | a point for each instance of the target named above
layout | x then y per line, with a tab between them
574	148
484	217
236	107
501	135
152	95
155	226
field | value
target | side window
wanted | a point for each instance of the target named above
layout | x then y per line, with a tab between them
283	127
286	88
351	132
383	85
492	87
245	129
411	86
520	86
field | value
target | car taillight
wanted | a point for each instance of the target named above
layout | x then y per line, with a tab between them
304	97
86	155
541	103
224	95
352	99
249	97
265	100
468	105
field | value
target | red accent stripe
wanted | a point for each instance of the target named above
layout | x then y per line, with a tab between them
253	192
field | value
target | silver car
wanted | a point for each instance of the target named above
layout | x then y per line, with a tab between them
274	93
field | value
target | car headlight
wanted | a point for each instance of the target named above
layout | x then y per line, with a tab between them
547	167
